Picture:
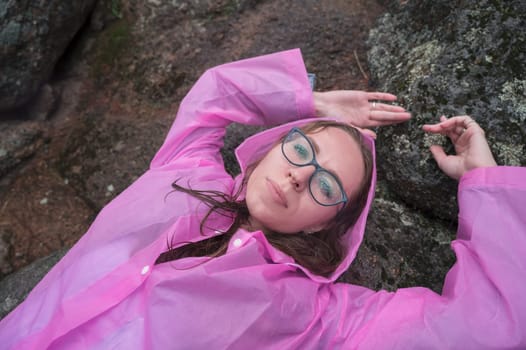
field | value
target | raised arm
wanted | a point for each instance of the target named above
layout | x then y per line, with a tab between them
266	90
482	305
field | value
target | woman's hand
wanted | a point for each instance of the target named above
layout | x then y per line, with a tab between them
472	149
355	108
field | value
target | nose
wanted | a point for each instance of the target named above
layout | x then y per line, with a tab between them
299	176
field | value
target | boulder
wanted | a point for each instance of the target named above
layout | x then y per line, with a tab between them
235	134
402	247
449	58
33	36
103	157
6	242
15	287
18	141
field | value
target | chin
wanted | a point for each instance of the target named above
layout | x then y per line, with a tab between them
281	229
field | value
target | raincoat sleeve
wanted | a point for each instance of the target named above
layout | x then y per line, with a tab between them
266	90
483	303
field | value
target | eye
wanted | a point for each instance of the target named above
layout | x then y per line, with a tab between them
301	151
326	187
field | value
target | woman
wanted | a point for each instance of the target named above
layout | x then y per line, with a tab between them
131	283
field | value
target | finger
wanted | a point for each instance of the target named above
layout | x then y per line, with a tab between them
378	118
443	118
381	96
446	125
368	132
434	129
452	123
459	130
453	135
439	155
387	107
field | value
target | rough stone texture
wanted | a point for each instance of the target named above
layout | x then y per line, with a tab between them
6	243
161	13
18	141
123	152
451	58
40	213
16	287
402	247
33	36
236	133
44	104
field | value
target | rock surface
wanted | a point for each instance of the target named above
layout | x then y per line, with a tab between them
33	36
16	287
18	141
402	247
449	58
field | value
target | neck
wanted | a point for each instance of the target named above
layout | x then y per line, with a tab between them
252	225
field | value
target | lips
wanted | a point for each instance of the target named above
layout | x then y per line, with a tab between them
276	192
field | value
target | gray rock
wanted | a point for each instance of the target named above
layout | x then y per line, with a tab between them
6	242
33	36
402	248
449	58
196	8
15	287
93	158
18	141
44	104
235	134
105	12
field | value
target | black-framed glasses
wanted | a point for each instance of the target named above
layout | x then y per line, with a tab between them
324	186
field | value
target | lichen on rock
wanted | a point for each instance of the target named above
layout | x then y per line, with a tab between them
471	61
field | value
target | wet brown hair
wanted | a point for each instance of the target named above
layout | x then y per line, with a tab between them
320	252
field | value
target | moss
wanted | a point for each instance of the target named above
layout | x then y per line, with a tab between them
428	141
116	8
422	58
231	7
514	93
508	154
111	47
402	144
400	210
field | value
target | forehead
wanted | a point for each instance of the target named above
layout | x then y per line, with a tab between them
341	154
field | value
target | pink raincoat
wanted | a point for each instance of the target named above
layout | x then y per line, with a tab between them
107	293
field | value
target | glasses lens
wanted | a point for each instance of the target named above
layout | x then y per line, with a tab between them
325	188
297	149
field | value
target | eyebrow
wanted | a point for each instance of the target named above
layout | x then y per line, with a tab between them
317	151
316	147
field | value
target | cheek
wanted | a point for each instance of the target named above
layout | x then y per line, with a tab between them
314	214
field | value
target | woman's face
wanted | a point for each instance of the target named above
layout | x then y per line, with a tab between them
278	196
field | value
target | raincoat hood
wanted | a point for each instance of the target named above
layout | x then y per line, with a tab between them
257	146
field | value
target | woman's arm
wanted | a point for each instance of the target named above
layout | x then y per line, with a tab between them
482	305
265	90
